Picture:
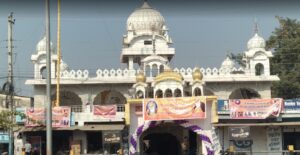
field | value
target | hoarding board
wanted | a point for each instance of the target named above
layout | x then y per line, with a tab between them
255	108
174	108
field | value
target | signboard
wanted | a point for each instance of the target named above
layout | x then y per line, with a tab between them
255	108
174	108
111	137
19	117
223	107
239	133
105	111
274	141
292	106
4	138
37	116
61	117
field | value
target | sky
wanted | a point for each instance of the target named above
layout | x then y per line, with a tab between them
203	32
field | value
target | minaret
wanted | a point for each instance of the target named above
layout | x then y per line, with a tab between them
257	58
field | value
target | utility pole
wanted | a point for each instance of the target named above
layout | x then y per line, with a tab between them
11	21
48	87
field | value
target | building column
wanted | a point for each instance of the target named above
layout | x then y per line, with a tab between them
130	63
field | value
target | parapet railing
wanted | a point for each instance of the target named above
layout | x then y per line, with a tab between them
125	73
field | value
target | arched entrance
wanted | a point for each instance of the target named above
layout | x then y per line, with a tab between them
161	143
244	93
108	97
67	98
164	139
134	139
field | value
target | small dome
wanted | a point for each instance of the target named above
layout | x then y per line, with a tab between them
41	45
168	74
63	66
140	77
145	20
256	42
227	63
197	75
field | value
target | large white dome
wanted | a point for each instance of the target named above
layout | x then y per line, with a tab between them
41	45
145	20
256	42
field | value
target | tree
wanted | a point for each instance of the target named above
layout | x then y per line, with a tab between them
285	42
5	119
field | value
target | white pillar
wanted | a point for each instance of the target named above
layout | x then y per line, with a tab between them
130	63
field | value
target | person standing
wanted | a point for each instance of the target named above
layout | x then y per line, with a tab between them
27	148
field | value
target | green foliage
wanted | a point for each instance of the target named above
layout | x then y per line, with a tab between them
7	117
237	58
285	42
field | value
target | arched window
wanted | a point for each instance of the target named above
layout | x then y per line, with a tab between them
168	93
259	69
154	70
244	93
109	97
68	98
148	71
197	91
177	93
159	94
139	94
161	68
43	72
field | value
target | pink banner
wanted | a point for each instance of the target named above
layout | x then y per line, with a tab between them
61	117
105	111
255	108
37	117
174	108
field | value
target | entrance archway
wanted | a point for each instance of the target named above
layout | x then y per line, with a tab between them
162	143
184	123
165	138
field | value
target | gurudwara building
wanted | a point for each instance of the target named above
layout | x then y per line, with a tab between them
135	108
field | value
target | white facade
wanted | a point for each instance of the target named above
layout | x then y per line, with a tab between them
148	46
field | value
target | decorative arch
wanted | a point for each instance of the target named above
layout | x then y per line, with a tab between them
161	68
177	93
159	93
139	94
148	71
109	97
67	98
197	91
168	93
43	72
184	123
244	93
259	69
154	70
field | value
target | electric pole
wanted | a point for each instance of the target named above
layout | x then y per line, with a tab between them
11	21
48	87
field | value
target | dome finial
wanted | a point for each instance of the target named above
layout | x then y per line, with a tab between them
255	26
145	5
